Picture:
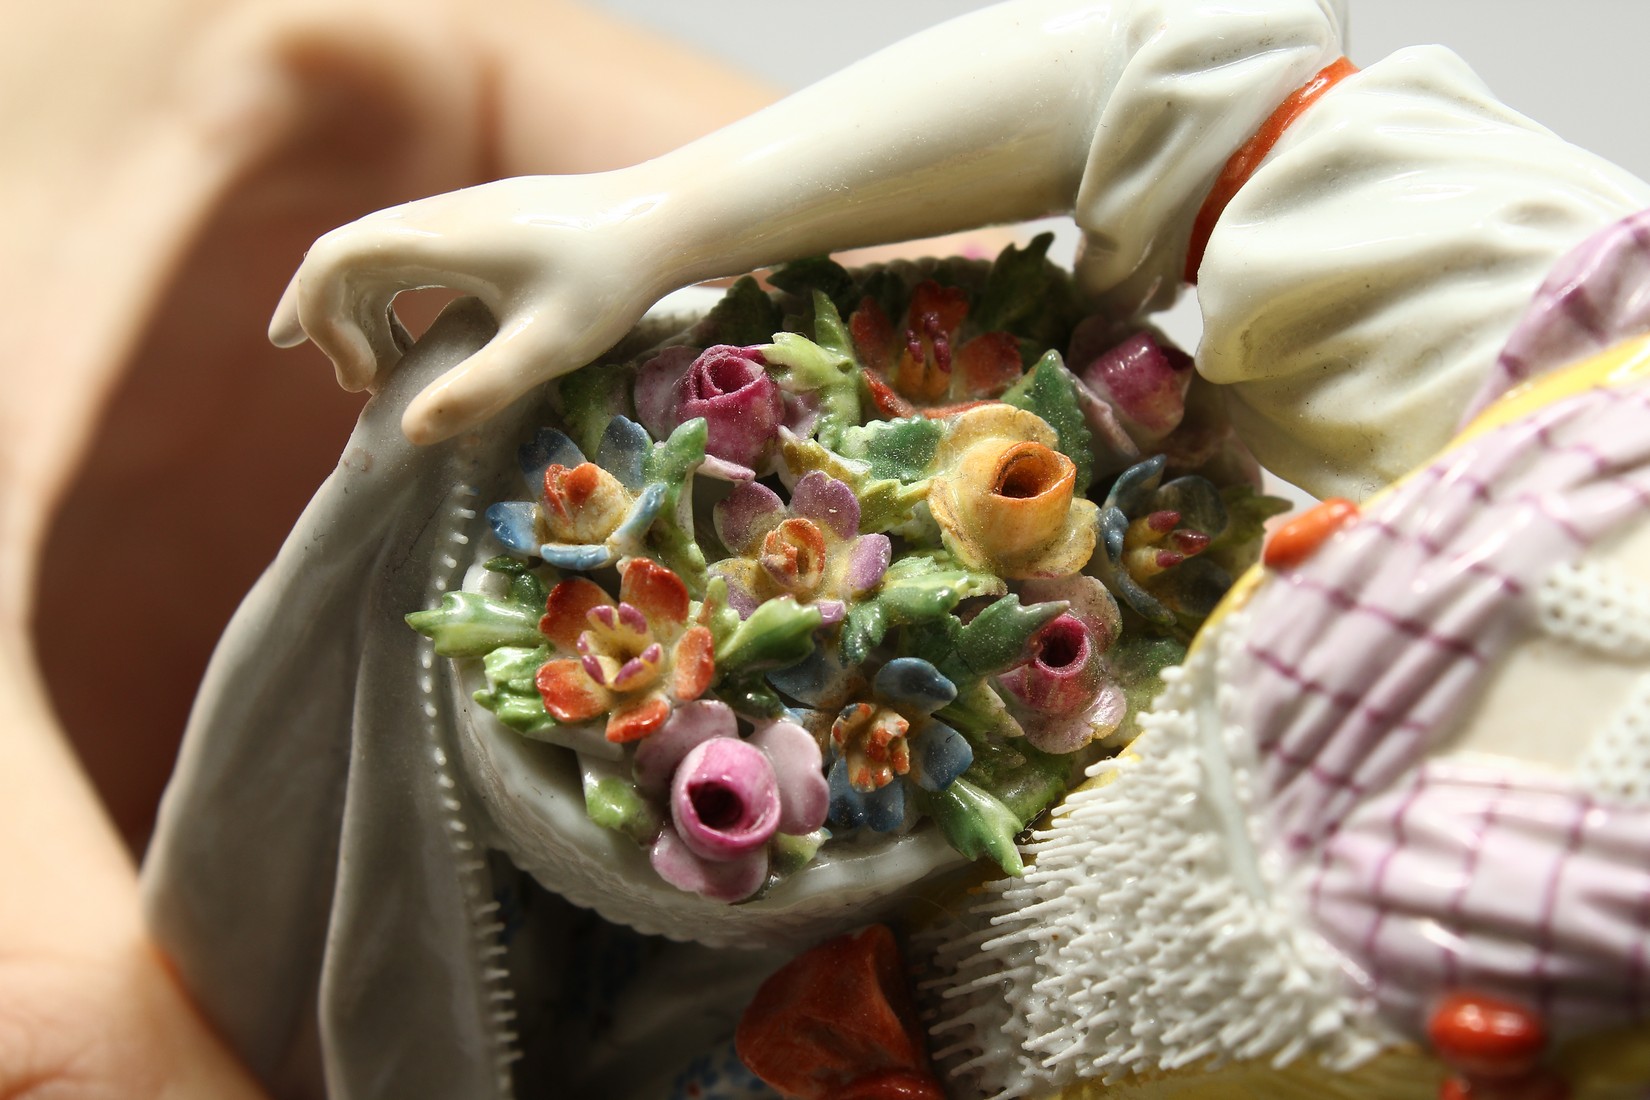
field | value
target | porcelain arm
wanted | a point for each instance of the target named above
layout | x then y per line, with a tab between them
984	119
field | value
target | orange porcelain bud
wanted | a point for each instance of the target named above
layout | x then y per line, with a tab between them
1299	539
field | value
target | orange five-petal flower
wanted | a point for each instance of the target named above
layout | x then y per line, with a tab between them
921	366
632	659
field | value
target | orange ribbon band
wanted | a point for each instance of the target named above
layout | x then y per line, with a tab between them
1248	157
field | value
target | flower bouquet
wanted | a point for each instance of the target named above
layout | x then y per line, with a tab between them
841	585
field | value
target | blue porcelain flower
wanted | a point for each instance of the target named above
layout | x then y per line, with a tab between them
1152	534
588	514
882	732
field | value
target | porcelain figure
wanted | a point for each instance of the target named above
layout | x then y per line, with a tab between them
962	627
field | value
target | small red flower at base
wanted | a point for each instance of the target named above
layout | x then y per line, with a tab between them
837	1023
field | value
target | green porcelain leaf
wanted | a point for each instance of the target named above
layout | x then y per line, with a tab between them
801	366
788	853
1028	296
1019	775
746	315
671	462
918	588
672	459
526	588
778	633
1137	662
830	332
512	693
515	666
751	696
1050	391
714	611
975	823
979	714
470	624
523	713
818	275
1019	279
885	504
615	804
995	640
1237	547
591	397
902	450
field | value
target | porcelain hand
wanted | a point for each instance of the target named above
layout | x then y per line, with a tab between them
564	287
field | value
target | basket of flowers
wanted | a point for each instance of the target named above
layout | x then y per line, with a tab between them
835	589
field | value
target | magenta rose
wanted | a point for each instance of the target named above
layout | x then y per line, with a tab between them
729	387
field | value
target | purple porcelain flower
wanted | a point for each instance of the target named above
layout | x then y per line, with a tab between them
730	387
1061	695
727	797
812	551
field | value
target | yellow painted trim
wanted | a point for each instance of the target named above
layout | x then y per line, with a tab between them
1616	366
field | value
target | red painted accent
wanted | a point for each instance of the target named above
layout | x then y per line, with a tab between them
889	403
569	694
1300	538
1539	1086
837	1023
1243	163
1455	1088
1482	1036
989	363
566	609
873	335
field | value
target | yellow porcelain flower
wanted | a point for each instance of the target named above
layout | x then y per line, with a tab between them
1006	500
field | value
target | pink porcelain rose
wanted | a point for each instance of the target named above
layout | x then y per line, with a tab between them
728	797
1063	695
730	388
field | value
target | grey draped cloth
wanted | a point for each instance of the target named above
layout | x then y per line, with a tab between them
312	876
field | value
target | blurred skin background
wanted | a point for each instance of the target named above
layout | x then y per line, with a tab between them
165	165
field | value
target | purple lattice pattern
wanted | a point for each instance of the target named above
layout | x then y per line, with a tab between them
1596	296
1360	660
1466	876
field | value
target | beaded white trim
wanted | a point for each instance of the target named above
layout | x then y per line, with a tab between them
1605	610
1597	607
1150	934
1615	766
